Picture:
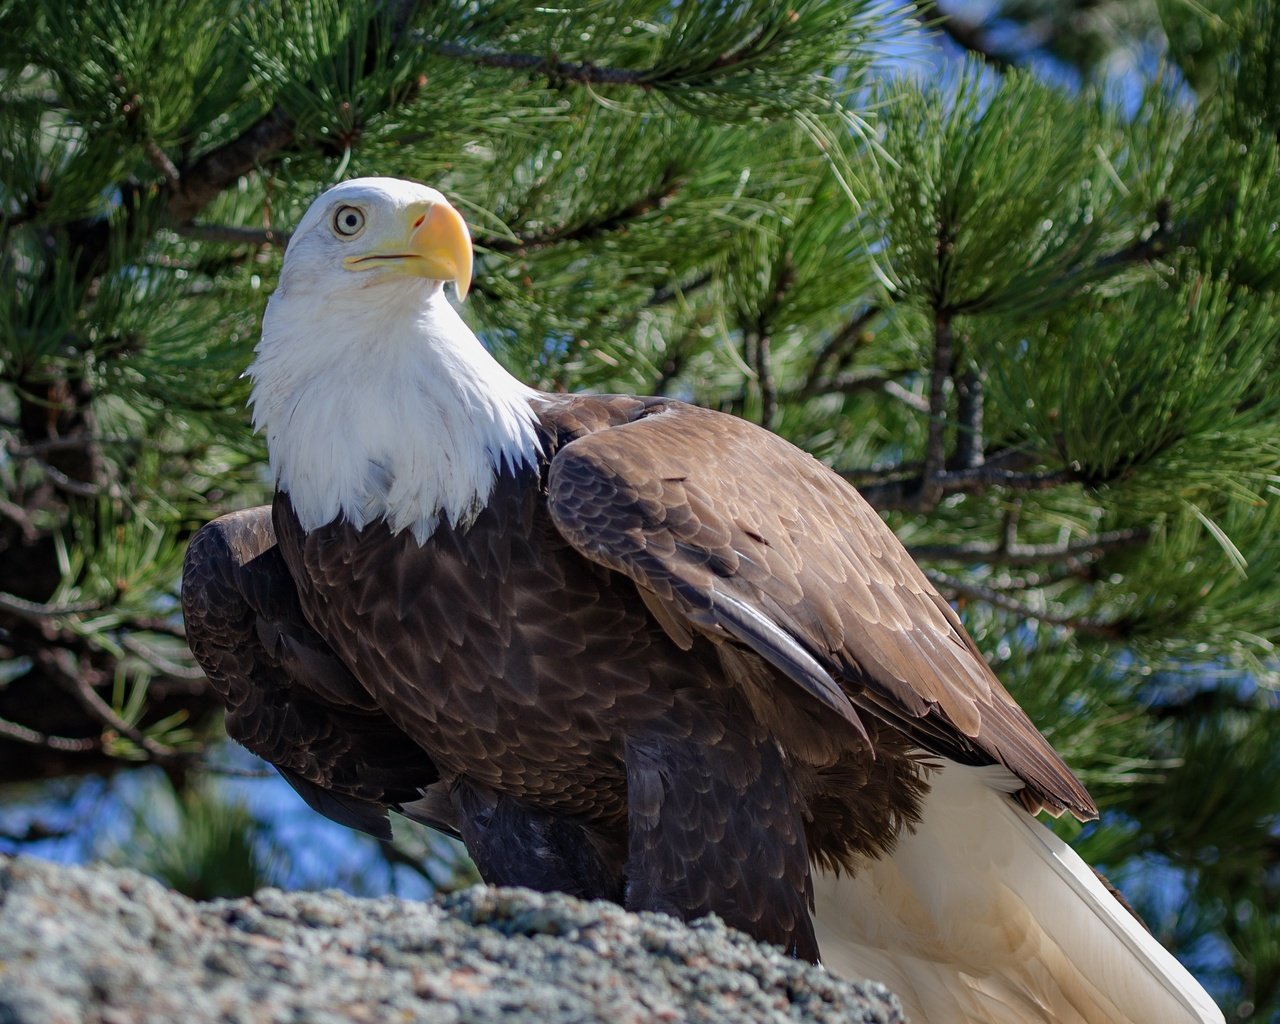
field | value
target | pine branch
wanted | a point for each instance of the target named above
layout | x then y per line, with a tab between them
557	72
967	35
969	419
201	183
764	377
907	397
62	744
661	296
159	159
893	490
759	342
1002	552
80	488
935	455
837	349
1147	247
36	610
18	515
79	679
589	229
158	661
227	234
953	587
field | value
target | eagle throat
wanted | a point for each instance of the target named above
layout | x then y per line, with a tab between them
388	408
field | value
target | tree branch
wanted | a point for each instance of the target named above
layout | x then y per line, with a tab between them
656	199
556	71
764	377
36	610
21	734
75	676
837	349
966	34
953	587
201	183
226	234
1147	247
896	491
661	296
158	661
969	419
1004	553
935	455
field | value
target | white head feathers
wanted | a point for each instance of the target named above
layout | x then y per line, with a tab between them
376	399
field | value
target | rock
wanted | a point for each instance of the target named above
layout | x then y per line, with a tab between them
106	945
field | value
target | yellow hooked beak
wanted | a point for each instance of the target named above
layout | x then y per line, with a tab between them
436	245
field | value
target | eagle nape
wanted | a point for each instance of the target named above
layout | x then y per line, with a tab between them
635	650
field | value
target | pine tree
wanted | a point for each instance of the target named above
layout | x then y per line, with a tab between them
1037	325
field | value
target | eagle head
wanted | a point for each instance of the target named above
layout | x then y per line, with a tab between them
376	399
369	231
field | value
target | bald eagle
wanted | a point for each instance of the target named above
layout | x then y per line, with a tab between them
630	649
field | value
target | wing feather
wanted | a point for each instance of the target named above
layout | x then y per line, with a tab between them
290	699
738	530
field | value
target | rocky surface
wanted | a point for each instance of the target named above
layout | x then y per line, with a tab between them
113	947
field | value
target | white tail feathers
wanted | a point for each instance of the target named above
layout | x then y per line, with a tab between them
984	916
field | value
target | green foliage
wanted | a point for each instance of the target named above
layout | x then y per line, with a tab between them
968	224
196	842
718	202
1194	357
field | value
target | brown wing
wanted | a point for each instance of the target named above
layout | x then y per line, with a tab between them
737	531
289	698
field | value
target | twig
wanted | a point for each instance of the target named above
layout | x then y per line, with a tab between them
967	35
228	234
969	419
895	390
935	455
17	514
1081	624
204	180
587	230
80	488
1009	526
20	733
760	341
1147	247
764	376
557	71
158	661
661	296
837	349
159	159
39	610
56	661
895	491
853	383
1004	553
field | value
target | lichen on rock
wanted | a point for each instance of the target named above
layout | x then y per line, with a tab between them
110	945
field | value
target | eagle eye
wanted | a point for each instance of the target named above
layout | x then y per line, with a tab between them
348	221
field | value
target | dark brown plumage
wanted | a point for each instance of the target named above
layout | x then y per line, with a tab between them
686	674
632	649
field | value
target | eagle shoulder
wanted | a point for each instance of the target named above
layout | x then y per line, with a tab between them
733	529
